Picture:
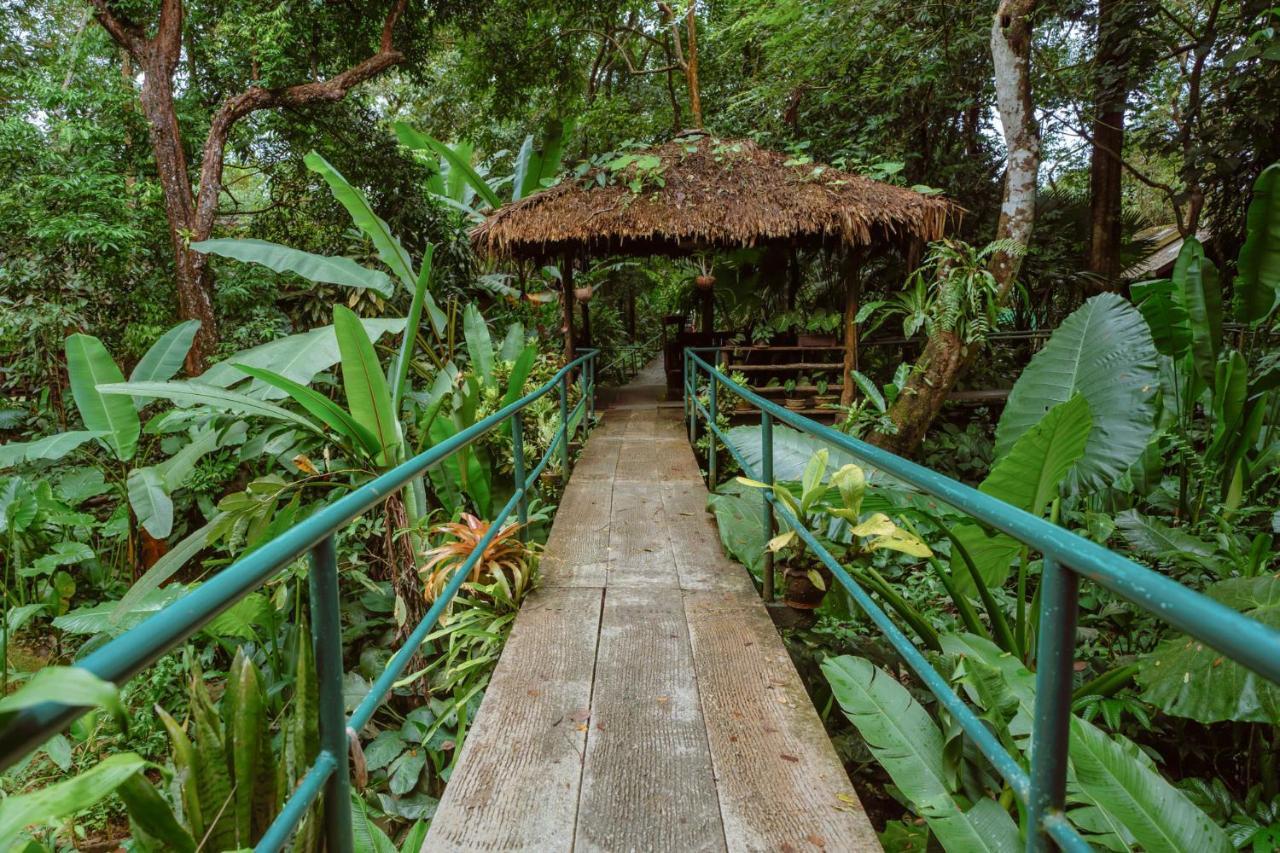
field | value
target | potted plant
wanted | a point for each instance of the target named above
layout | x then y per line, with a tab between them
823	398
740	405
583	294
792	401
704	280
819	329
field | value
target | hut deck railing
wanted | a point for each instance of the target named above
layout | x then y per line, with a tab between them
1067	559
131	652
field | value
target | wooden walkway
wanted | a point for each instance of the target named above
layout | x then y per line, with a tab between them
644	700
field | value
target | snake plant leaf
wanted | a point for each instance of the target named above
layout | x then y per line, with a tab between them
479	343
152	819
150	501
62	799
89	365
320	268
298	358
248	741
365	385
1257	281
1195	281
1186	678
50	448
909	745
187	766
164	358
1029	475
218	399
320	406
389	249
1166	318
1159	816
1104	352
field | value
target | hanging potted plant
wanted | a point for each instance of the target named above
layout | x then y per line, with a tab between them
704	280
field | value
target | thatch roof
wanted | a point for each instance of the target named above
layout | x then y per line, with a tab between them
710	193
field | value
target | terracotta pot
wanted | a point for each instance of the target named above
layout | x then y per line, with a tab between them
795	404
826	399
799	591
582	294
705	282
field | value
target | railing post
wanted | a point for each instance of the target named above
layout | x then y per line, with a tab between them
584	386
591	399
326	641
711	433
684	381
1051	731
564	427
517	471
692	394
766	476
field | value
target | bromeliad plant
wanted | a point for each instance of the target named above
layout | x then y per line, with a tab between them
503	573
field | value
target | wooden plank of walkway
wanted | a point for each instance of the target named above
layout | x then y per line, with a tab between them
644	700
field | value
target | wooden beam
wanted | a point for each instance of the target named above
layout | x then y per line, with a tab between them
852	293
566	298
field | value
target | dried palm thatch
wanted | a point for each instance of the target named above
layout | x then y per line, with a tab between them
703	193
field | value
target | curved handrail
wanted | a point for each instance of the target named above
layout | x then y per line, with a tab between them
126	655
1066	558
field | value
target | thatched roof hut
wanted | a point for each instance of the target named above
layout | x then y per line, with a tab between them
699	192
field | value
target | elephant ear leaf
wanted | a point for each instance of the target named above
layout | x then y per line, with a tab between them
1103	352
909	745
1165	316
368	395
1029	476
1258	280
88	366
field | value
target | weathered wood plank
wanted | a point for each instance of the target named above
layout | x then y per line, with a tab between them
647	781
700	560
517	780
580	532
781	785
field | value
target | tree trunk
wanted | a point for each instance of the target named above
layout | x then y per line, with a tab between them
1106	168
191	216
852	293
945	357
708	300
586	324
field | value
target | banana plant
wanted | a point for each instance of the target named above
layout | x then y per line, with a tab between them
456	183
1115	795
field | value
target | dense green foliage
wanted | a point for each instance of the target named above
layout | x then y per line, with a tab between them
356	328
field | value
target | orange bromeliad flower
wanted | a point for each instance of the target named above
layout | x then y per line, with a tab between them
505	560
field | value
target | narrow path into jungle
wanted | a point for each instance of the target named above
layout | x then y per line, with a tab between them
644	700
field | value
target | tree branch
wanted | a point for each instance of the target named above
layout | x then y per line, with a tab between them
258	98
126	33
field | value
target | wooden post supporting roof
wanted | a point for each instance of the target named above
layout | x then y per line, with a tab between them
566	299
852	293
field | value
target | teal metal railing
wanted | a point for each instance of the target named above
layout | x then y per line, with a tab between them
136	649
1067	558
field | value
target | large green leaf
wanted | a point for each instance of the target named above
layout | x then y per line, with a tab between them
320	407
1154	539
365	385
150	501
1186	678
298	358
792	451
388	246
992	556
1104	352
1160	816
166	567
1258	266
1029	475
163	360
218	399
1165	316
50	448
479	343
739	515
909	745
1195	281
62	799
458	159
527	170
322	268
88	366
67	684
